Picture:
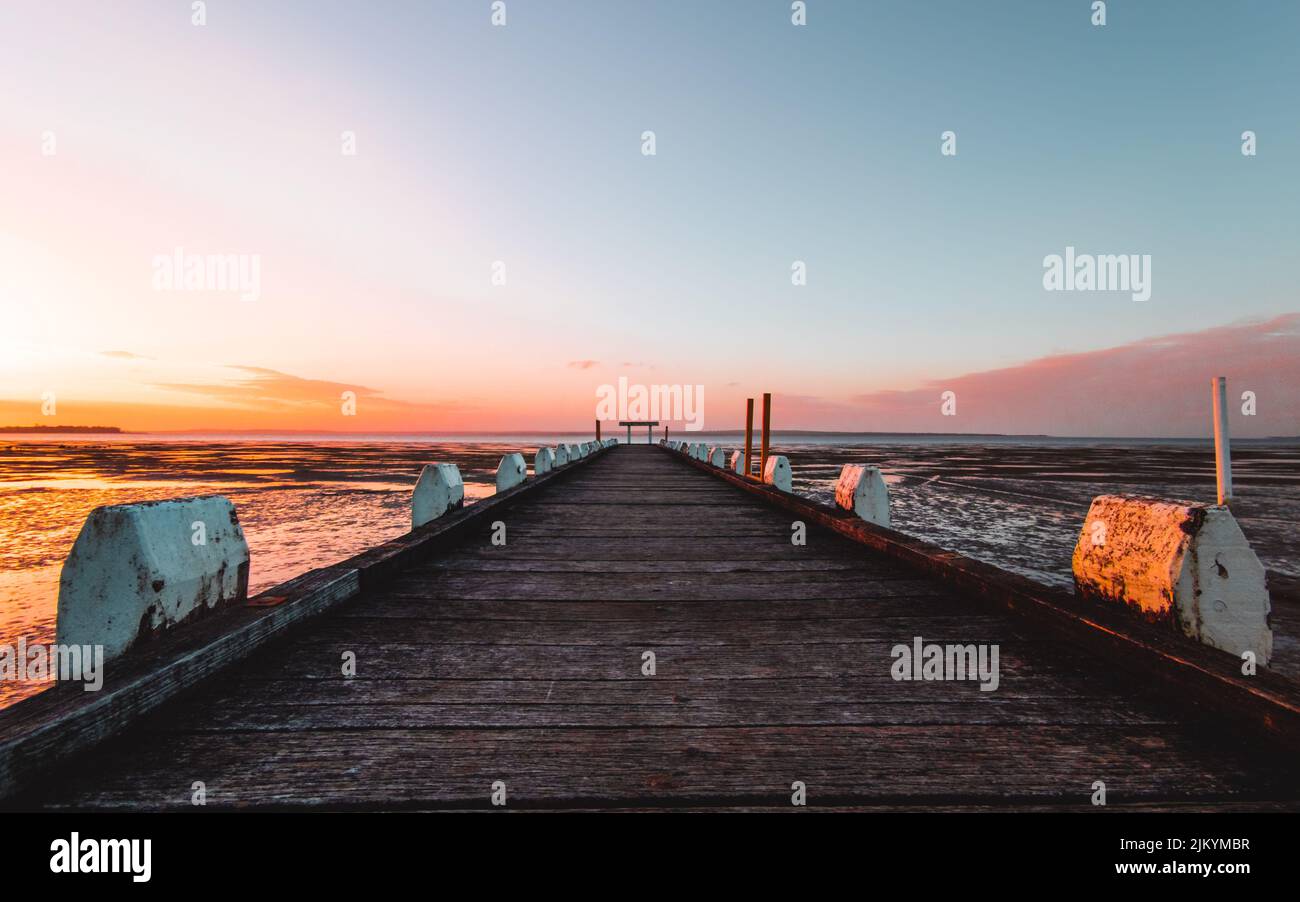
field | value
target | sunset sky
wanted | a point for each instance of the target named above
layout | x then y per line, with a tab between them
523	144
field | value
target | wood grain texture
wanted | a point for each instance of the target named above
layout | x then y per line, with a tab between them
523	663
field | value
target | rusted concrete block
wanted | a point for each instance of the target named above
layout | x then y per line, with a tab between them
1186	565
862	490
139	569
777	473
543	460
511	471
438	490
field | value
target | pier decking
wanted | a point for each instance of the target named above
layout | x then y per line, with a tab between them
525	663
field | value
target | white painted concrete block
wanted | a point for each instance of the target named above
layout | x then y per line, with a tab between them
575	453
438	490
139	569
738	462
511	471
1189	565
561	454
717	457
543	461
862	490
777	473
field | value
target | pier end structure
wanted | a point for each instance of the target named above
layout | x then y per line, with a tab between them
438	490
511	471
861	489
1189	565
139	569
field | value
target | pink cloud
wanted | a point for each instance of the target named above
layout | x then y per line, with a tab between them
1153	387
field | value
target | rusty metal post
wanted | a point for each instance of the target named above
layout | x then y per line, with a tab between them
749	436
598	430
1222	444
767	434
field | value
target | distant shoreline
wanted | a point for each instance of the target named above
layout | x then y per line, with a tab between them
60	430
490	435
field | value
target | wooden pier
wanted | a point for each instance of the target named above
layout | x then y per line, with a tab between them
525	667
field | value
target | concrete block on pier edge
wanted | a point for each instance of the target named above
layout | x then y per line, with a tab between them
561	455
738	462
573	451
1186	565
543	460
862	490
511	471
717	456
777	473
139	569
438	490
699	452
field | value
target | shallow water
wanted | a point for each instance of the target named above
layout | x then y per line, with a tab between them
310	502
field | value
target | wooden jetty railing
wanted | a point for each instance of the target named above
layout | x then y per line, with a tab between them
650	636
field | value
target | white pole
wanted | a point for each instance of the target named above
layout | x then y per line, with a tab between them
1222	449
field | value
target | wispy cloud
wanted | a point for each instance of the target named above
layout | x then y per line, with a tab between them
583	364
124	355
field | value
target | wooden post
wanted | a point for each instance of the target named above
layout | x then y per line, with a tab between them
598	430
749	436
1222	448
767	434
629	433
665	435
649	434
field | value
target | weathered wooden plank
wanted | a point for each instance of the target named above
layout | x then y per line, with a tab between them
292	717
246	691
306	658
962	764
596	587
871	633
